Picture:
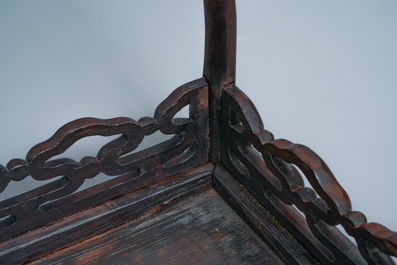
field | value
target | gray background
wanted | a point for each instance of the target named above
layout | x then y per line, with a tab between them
321	73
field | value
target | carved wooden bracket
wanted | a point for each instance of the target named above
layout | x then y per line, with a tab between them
273	171
223	128
130	170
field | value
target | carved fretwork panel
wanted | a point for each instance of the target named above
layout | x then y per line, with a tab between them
273	171
129	170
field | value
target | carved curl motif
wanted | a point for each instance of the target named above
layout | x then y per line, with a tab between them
260	161
187	148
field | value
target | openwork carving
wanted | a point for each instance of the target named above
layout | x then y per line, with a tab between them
271	170
131	171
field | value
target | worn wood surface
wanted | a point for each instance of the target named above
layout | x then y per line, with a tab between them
83	225
202	229
273	171
219	62
260	219
260	177
127	170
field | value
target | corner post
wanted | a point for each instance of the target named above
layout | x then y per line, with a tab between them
219	62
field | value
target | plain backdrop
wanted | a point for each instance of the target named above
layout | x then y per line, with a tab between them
321	73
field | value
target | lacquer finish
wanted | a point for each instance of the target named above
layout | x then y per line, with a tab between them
262	178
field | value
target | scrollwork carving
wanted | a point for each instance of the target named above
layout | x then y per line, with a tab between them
274	179
130	170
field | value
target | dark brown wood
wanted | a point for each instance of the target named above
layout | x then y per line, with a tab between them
132	171
271	170
202	229
84	225
219	61
260	219
157	206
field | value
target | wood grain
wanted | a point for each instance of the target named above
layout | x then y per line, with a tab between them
219	62
127	170
86	224
202	229
260	219
157	207
274	171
